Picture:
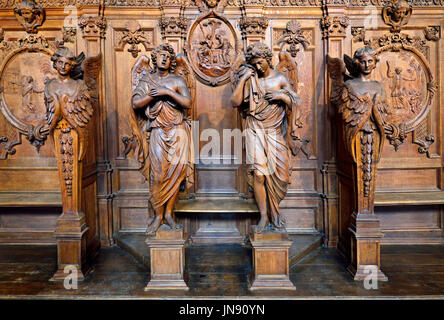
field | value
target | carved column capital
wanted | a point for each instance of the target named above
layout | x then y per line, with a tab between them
253	26
93	26
173	26
334	26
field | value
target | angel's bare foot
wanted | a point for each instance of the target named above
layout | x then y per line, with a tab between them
152	228
170	221
150	220
261	224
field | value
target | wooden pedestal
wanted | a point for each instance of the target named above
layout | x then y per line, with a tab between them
365	247
167	256
270	261
70	235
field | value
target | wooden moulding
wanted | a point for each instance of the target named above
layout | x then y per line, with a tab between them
167	254
270	261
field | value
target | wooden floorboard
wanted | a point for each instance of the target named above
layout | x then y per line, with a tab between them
221	271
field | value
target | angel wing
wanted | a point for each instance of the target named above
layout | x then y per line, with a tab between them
48	71
138	120
91	74
140	68
77	72
184	70
235	68
288	66
351	66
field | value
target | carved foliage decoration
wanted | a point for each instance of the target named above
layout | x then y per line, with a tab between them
432	33
334	26
176	26
93	25
133	35
253	26
211	48
29	14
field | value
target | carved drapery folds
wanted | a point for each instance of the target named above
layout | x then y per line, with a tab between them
93	25
29	14
133	35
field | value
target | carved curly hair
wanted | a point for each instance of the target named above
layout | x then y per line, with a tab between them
259	50
365	50
164	47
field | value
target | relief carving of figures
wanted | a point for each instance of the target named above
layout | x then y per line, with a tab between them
269	105
160	121
29	14
211	48
362	103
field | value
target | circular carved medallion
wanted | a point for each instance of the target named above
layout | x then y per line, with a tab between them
408	85
212	47
22	80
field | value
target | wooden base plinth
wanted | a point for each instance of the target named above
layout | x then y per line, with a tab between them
167	254
270	261
70	235
365	248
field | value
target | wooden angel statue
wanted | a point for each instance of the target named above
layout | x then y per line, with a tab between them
161	126
270	106
70	98
362	104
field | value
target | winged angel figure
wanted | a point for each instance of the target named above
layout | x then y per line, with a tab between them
160	119
69	99
362	104
270	107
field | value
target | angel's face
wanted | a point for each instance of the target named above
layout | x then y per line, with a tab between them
211	3
261	65
366	64
28	15
163	59
64	66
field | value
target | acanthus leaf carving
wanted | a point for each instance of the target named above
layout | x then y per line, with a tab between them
432	33
173	26
253	26
133	35
334	26
93	25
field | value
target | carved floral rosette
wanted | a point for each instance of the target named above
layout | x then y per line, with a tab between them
211	48
23	73
409	87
